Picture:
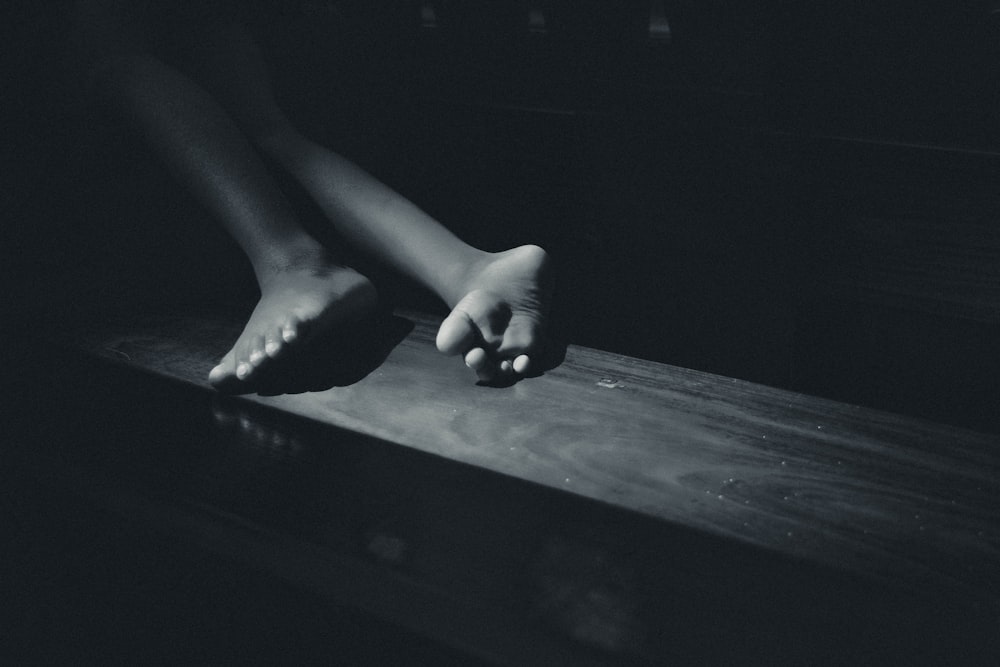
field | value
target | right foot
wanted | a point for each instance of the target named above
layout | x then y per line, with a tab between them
498	323
298	302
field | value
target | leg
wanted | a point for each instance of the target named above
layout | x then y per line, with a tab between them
302	289
499	301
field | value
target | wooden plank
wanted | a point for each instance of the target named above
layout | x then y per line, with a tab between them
886	497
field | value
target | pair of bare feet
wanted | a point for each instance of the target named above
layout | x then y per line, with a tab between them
497	326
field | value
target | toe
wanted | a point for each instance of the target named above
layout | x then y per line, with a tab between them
522	364
226	369
244	352
257	355
457	333
477	359
480	317
273	344
290	330
522	337
243	370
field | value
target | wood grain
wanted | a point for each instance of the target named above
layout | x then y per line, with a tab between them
887	497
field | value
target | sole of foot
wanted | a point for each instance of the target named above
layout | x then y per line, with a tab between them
498	326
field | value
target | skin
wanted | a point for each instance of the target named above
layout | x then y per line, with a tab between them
210	131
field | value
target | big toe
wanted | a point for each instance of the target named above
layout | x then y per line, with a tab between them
225	371
456	334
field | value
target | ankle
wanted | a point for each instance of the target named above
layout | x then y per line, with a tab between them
302	255
457	276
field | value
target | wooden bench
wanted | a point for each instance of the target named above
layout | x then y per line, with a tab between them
609	511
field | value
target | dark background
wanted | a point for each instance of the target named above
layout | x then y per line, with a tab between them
800	194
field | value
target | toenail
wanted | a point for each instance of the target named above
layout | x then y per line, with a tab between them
272	347
289	335
256	357
242	370
506	366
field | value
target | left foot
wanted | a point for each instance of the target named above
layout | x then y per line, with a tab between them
498	324
297	303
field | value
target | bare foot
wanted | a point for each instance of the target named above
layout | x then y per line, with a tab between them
298	301
498	324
